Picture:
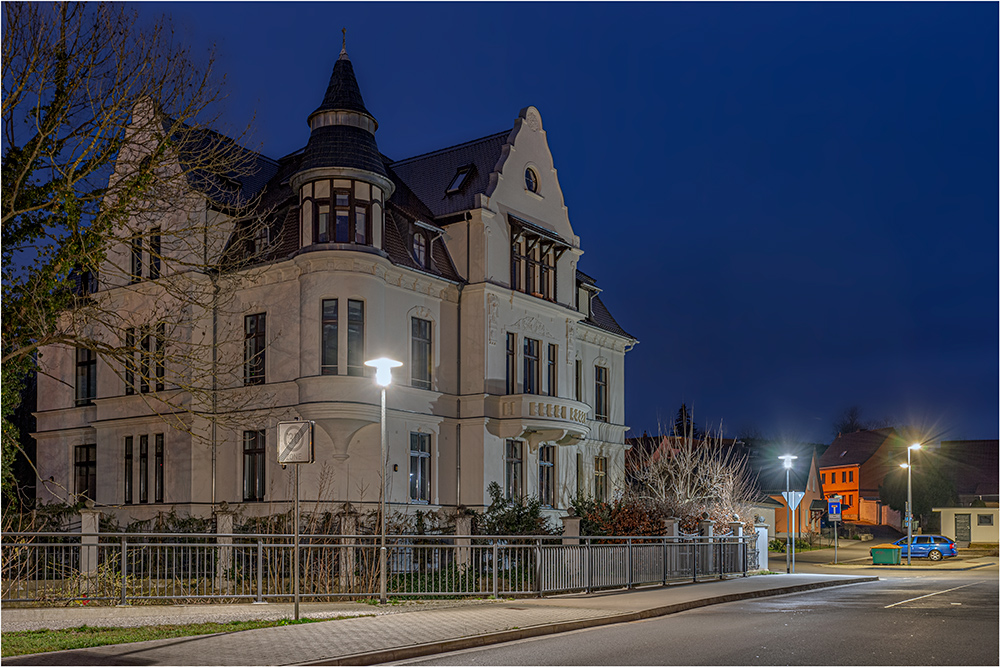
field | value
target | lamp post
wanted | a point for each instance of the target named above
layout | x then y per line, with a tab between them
789	545
909	500
383	377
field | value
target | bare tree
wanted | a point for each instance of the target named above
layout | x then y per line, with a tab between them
697	478
127	224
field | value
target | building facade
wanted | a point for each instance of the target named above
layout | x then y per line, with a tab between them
460	263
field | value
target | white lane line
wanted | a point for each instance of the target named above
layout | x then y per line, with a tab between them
930	594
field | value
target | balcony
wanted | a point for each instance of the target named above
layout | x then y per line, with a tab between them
538	418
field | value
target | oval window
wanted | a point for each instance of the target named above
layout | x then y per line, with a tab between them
530	180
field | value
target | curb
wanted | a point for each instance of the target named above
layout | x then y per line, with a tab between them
904	568
475	641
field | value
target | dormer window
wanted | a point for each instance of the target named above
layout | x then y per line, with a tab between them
531	180
534	255
420	249
461	176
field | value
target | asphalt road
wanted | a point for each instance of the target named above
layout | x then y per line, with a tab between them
948	618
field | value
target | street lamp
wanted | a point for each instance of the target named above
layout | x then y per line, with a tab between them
789	545
909	500
383	377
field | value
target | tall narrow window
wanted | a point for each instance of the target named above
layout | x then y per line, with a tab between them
546	475
517	265
253	465
135	274
551	369
355	337
128	470
158	468
86	376
254	330
512	470
420	351
843	476
143	468
531	366
154	254
531	271
579	474
850	475
322	232
342	217
600	478
160	359
420	467
511	363
330	334
547	275
361	225
129	361
579	380
145	357
85	470
601	393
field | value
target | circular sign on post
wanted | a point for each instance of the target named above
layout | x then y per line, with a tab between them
295	442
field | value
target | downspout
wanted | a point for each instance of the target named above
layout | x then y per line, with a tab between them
215	328
458	429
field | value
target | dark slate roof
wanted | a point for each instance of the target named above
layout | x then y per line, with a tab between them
973	465
343	91
601	318
404	199
342	146
429	175
855	448
584	278
397	247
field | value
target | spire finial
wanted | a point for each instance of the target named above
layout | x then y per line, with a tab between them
344	30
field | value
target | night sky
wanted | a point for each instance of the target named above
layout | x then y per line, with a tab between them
793	207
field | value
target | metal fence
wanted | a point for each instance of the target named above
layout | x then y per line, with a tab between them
122	568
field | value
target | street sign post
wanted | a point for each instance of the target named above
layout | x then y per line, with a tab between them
833	514
792	499
295	446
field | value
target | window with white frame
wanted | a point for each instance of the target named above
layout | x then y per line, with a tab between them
512	469
420	467
546	475
420	353
600	478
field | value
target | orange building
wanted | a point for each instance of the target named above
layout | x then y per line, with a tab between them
854	467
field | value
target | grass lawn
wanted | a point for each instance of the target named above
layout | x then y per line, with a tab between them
41	641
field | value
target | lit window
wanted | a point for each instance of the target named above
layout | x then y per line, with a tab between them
530	180
600	478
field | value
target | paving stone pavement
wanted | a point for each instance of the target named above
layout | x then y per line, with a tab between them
423	629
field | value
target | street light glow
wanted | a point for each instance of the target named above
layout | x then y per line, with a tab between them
915	445
787	458
904	465
383	369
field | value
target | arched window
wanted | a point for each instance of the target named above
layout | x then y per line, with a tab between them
530	180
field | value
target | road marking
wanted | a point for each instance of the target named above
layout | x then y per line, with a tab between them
930	594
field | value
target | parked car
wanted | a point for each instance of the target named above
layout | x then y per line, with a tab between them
934	547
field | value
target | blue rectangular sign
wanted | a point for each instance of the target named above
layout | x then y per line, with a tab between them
833	510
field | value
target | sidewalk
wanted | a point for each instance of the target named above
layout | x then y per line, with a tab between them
406	631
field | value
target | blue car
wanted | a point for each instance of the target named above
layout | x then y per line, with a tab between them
934	547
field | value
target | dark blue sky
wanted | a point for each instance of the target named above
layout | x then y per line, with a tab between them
810	217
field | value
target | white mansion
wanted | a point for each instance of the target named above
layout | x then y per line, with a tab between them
460	263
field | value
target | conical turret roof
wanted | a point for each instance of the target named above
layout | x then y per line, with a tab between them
343	92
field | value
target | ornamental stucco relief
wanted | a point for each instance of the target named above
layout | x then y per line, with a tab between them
532	325
493	317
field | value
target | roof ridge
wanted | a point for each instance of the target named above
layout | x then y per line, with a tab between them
441	151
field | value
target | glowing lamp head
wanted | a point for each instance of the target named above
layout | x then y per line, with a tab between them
904	465
788	458
915	445
383	369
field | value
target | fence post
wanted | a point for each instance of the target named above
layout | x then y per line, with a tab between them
762	543
707	529
538	566
348	550
260	572
694	559
671	547
124	569
224	550
571	528
588	564
628	575
463	527
496	570
736	530
90	525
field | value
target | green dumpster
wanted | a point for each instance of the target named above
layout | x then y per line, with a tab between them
885	554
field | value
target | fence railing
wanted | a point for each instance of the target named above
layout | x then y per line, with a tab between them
119	568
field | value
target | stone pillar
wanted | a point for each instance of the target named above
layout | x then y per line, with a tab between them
706	528
463	526
348	549
90	522
571	529
224	553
